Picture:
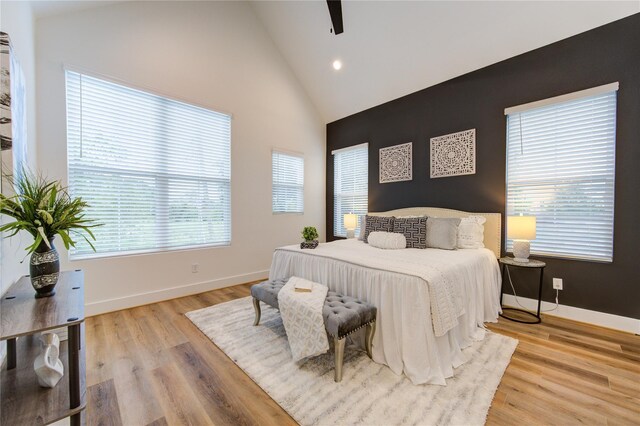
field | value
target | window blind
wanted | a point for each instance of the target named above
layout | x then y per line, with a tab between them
350	185
287	190
156	172
561	169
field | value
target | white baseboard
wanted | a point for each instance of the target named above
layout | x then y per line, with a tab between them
116	304
617	322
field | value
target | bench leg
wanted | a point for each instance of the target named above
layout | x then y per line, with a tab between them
12	355
339	357
256	307
370	331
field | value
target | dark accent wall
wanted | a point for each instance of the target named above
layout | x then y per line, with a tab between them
477	100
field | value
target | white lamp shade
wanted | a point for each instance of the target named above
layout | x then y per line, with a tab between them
350	221
521	227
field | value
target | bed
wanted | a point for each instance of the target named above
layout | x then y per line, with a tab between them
431	303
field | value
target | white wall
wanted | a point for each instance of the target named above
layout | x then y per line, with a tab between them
215	54
16	20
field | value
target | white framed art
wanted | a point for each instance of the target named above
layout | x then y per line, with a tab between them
13	116
396	163
453	154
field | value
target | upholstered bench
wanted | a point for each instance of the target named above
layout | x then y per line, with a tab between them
342	316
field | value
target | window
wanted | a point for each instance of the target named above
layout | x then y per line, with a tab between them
560	168
350	185
156	172
287	190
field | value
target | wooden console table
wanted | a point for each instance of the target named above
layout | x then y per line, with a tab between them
23	316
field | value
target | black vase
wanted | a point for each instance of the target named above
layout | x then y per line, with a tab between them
45	269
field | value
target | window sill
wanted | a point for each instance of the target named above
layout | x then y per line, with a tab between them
567	257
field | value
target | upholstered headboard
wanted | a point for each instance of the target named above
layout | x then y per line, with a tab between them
492	227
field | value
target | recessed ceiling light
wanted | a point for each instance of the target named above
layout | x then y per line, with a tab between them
337	64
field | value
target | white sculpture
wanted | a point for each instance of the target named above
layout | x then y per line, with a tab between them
48	366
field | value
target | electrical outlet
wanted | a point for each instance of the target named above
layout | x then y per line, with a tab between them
195	268
557	283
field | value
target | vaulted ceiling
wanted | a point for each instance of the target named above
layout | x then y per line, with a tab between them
393	48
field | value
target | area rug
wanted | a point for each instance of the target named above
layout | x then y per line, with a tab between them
370	393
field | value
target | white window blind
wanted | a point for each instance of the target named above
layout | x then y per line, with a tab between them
561	169
350	185
287	190
156	172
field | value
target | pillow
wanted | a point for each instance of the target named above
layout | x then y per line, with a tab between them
387	240
471	232
442	233
363	225
414	230
378	223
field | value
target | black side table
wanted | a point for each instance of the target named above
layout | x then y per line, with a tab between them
533	264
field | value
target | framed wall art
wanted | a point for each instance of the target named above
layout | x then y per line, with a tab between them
396	163
13	116
453	154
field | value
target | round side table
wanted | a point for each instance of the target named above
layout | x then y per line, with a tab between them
506	262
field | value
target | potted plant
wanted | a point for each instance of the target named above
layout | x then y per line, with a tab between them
310	235
44	209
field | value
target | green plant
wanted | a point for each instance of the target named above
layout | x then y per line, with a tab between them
309	233
45	209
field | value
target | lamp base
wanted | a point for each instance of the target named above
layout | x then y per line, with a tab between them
521	250
351	233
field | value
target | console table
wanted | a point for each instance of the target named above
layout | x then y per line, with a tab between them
23	316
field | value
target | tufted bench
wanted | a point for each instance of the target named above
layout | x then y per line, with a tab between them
342	316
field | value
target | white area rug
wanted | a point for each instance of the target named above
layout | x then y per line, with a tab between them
369	394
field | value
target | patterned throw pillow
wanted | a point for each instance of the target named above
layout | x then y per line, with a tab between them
378	223
471	232
414	230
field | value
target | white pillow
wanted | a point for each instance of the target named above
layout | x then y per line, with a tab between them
471	232
387	240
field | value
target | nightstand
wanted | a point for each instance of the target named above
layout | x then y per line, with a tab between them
506	262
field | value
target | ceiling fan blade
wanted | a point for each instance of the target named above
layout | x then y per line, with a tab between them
335	10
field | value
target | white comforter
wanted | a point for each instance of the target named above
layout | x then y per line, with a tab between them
405	285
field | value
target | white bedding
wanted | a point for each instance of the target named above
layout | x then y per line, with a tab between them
399	283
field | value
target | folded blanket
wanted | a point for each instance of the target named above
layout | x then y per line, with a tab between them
301	314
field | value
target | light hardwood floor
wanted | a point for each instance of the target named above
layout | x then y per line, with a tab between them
151	365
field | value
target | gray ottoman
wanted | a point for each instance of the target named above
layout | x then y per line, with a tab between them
342	316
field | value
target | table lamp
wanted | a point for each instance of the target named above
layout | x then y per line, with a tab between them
350	224
521	229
